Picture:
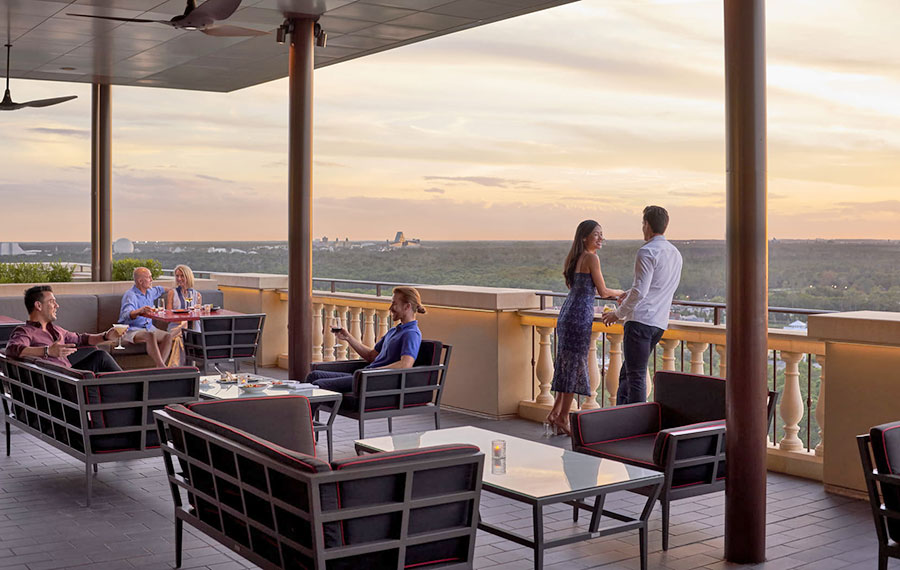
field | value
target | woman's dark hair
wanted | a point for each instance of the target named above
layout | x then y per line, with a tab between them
583	230
35	295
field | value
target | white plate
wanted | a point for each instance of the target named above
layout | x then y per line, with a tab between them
254	390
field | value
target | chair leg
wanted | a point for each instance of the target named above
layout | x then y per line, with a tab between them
179	527
254	367
7	439
882	558
665	524
390	426
437	419
362	429
95	467
330	445
90	480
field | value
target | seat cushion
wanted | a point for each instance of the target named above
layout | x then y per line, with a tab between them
886	451
634	450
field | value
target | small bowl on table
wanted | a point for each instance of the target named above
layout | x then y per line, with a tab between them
254	387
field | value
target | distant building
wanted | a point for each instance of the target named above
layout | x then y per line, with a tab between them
11	248
123	245
401	241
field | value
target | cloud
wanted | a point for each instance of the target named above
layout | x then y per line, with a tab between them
75	133
489	181
435	190
214	178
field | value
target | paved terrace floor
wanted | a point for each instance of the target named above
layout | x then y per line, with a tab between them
44	523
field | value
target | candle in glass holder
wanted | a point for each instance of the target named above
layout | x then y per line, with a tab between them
498	449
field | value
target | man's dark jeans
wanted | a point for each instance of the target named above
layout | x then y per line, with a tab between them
334	381
93	359
640	341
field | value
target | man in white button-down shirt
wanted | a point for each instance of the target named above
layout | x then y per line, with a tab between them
645	307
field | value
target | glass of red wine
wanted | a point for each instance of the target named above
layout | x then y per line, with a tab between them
336	325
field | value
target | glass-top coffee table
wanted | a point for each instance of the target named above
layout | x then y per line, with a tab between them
539	475
210	388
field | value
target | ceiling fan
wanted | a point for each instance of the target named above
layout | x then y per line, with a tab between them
9	105
201	18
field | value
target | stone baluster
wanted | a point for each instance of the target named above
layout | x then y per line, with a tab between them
820	406
368	337
317	336
544	366
649	382
614	366
594	372
791	402
384	321
668	359
697	350
341	346
328	342
721	350
354	329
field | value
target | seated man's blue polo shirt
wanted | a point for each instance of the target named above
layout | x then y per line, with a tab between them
402	340
133	300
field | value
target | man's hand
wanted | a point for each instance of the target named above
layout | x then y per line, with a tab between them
609	318
342	335
113	333
59	350
146	311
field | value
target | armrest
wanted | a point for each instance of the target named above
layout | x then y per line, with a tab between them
605	424
345	366
694	440
362	378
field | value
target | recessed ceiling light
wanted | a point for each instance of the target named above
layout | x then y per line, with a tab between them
67	68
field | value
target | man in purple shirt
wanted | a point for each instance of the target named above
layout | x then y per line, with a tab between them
40	338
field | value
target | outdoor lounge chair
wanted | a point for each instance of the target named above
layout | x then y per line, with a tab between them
681	433
883	485
392	392
244	472
224	338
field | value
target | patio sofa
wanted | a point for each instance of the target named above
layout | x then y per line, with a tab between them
94	418
95	313
245	473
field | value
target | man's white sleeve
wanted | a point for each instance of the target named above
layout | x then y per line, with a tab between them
643	274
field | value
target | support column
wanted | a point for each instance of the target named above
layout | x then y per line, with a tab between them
300	97
747	300
101	177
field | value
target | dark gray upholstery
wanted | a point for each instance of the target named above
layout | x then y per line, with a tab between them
388	393
280	508
95	419
681	433
225	339
883	485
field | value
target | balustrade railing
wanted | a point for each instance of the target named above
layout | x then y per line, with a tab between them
797	371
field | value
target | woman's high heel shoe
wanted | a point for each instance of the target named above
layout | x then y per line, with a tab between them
562	429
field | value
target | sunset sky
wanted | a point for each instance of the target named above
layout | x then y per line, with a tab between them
516	130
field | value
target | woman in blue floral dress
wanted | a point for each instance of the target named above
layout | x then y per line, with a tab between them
573	327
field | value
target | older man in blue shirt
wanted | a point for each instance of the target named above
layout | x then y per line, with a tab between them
136	312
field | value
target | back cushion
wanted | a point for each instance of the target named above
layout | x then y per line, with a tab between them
14	306
688	398
886	450
283	420
108	307
280	454
77	313
212	297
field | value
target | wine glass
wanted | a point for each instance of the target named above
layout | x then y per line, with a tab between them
188	301
336	325
120	328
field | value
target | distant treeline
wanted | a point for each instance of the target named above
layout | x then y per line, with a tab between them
820	274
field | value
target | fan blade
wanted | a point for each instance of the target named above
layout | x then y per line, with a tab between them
232	31
119	19
10	106
216	9
47	102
